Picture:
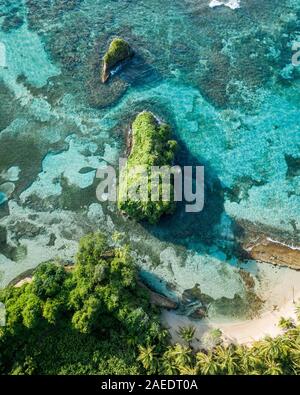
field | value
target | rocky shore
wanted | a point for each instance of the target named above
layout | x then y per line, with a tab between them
158	299
271	251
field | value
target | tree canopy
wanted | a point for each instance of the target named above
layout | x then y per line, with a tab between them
94	318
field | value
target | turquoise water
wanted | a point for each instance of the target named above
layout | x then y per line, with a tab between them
223	78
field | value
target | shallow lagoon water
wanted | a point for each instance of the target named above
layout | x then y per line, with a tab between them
221	77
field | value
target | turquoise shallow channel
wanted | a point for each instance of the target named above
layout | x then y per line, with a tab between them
222	77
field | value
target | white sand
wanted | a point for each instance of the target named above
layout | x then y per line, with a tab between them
281	293
242	332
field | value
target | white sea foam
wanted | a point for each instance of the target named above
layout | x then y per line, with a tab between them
284	244
233	4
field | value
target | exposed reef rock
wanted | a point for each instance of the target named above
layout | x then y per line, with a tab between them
151	146
269	245
158	299
274	252
196	304
118	52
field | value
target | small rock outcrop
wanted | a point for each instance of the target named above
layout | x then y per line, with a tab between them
158	299
151	145
118	52
276	253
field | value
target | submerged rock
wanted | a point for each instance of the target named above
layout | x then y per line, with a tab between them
118	52
27	230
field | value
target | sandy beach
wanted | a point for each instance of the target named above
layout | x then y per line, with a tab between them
241	332
281	293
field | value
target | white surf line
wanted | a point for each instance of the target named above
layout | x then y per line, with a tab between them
284	244
233	4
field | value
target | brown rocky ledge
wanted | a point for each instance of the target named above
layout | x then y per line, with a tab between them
158	299
276	253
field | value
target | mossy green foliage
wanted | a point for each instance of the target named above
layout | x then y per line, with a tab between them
118	51
151	146
85	321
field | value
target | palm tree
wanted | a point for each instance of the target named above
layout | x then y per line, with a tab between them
277	348
286	323
206	364
273	368
188	370
295	358
181	355
248	360
163	335
187	334
168	363
227	359
148	357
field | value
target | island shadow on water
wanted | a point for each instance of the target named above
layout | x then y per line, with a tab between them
186	228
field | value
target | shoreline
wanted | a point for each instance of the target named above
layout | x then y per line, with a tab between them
244	332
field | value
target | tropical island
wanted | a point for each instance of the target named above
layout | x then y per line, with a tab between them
150	145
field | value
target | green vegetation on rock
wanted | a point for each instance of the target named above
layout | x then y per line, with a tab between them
118	51
151	146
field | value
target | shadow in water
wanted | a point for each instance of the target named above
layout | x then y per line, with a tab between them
187	228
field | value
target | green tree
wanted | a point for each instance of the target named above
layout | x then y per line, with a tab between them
286	323
277	348
167	362
212	339
226	359
48	280
181	355
32	311
149	358
272	367
206	363
248	361
187	333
